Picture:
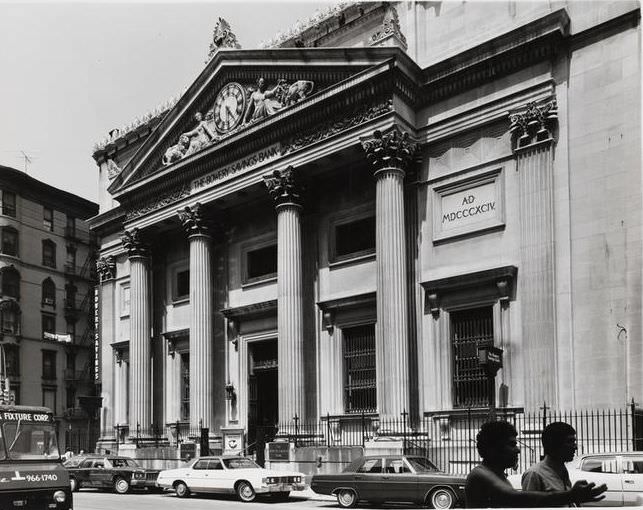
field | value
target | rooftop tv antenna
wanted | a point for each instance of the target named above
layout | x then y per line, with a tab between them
27	160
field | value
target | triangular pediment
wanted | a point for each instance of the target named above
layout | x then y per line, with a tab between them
228	104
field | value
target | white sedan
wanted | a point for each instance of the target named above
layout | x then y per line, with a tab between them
230	475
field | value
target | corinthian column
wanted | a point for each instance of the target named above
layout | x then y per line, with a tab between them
533	146
390	153
201	376
290	311
140	396
106	269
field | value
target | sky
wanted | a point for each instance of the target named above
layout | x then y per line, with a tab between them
70	72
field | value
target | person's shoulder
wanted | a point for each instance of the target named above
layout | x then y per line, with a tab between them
480	472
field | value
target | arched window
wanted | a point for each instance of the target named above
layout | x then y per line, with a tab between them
48	253
9	241
9	316
48	292
10	282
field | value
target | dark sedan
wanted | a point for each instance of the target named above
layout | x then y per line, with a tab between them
381	478
109	472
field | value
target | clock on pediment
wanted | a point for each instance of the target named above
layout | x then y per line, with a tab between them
229	107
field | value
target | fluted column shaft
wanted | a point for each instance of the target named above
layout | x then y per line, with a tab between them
390	152
290	312
201	376
139	347
284	189
391	332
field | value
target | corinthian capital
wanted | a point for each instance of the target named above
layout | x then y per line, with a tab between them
533	123
282	186
192	220
106	268
133	244
389	149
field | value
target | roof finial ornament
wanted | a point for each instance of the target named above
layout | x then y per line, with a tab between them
222	37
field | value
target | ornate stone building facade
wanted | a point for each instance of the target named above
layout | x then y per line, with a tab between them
47	282
335	223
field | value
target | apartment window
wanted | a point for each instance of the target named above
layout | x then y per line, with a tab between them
470	330
10	317
125	300
70	398
261	263
181	284
71	331
70	263
11	282
10	241
185	386
12	360
70	296
48	219
48	364
49	253
48	292
353	238
48	324
360	394
49	398
8	203
14	393
70	227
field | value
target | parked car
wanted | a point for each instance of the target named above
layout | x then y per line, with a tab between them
231	475
622	473
109	472
380	478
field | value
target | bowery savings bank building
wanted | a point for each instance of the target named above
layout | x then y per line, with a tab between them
334	225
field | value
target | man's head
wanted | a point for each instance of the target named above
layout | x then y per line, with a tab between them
496	443
559	441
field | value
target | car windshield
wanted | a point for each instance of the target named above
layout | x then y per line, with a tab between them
121	463
241	463
31	441
421	465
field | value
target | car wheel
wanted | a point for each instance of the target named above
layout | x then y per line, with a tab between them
181	490
121	486
346	498
245	492
441	499
73	483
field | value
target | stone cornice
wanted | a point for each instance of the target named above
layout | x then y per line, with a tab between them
535	41
253	311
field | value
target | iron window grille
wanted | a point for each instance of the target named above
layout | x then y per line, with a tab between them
360	392
185	386
470	330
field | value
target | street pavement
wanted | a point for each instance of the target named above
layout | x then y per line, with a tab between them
89	499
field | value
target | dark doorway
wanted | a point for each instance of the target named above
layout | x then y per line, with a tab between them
262	396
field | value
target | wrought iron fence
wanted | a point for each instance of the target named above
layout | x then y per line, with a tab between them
449	439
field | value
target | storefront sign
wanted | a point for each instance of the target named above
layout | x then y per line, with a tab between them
279	451
242	165
468	206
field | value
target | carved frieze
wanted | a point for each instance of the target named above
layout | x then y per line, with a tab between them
192	219
236	107
533	123
106	268
390	149
112	169
282	186
133	244
159	202
332	127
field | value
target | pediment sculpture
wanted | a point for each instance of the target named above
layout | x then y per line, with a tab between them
235	107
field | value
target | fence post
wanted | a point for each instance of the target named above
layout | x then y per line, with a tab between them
403	414
469	434
634	427
544	408
363	423
327	429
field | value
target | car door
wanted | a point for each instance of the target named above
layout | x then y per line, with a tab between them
601	469
368	479
632	477
198	479
214	476
399	482
83	471
97	473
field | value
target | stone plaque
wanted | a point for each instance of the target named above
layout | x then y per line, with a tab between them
468	206
279	451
